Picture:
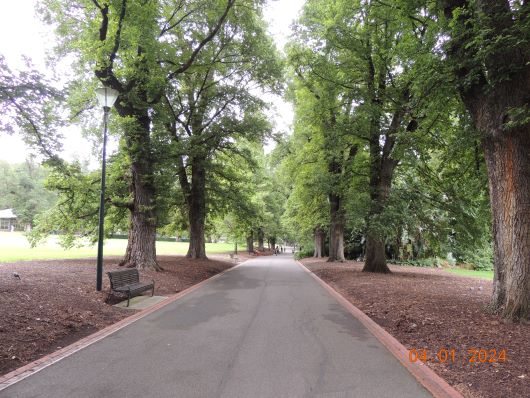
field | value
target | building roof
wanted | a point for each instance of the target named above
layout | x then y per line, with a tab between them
7	213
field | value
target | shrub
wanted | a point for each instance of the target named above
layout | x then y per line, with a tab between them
422	262
480	259
306	252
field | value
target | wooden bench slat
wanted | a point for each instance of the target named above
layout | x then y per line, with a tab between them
127	281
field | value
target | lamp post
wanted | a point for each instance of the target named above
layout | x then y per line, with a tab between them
106	97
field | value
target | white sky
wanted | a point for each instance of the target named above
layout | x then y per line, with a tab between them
23	33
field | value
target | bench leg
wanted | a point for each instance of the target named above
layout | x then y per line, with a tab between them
128	298
153	291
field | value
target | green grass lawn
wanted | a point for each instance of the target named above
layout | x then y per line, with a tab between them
15	247
474	274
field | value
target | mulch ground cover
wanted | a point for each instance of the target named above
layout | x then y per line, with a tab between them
55	303
432	310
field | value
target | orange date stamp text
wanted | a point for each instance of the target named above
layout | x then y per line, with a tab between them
451	355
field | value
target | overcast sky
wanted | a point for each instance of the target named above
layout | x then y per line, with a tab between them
22	33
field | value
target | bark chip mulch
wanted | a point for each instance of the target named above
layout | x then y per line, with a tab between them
55	303
445	315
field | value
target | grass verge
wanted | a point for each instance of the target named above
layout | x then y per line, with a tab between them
488	275
15	247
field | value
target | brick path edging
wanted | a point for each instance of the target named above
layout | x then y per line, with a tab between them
437	386
33	367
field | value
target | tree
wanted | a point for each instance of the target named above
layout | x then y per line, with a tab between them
376	59
126	43
489	49
22	188
320	96
213	107
29	105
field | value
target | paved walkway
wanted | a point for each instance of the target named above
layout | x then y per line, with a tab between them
264	329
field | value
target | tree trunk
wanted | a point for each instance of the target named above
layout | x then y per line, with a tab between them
323	243
382	168
399	244
380	183
508	161
250	242
261	236
319	242
494	91
141	246
336	230
375	254
197	209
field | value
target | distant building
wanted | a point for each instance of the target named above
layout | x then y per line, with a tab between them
8	220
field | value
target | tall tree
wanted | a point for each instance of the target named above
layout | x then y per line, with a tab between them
329	106
379	61
214	106
137	48
489	49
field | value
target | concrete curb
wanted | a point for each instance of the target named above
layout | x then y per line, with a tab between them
437	386
31	368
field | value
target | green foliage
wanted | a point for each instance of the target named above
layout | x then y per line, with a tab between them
76	213
30	106
22	189
438	197
187	74
307	251
479	257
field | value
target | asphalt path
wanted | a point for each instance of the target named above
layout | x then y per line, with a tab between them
263	329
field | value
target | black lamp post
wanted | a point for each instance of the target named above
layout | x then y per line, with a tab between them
106	98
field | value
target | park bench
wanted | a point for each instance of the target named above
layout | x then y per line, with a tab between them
234	257
127	281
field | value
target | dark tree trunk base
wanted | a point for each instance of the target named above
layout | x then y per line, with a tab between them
141	265
375	260
376	268
197	257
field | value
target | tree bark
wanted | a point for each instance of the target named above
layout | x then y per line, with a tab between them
250	242
501	77
399	244
381	173
508	161
375	254
336	230
197	209
141	245
320	237
261	237
382	167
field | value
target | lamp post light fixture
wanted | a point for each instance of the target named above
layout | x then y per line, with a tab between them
106	97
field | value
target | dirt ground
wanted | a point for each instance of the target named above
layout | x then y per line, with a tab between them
54	303
430	309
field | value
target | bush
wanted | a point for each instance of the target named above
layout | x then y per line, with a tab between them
423	262
306	252
480	259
